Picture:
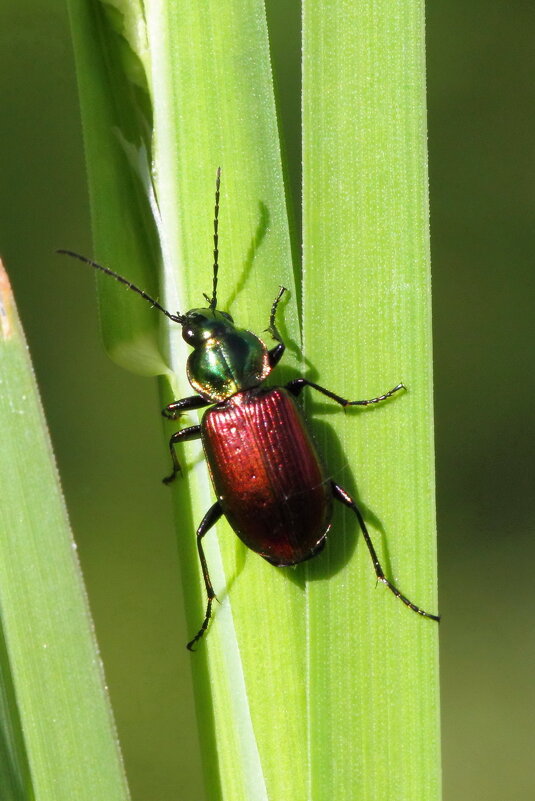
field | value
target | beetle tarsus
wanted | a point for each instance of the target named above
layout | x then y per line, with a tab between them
276	353
169	479
406	601
380	398
272	327
207	616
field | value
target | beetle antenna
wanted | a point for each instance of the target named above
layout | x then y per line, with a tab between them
176	318
213	302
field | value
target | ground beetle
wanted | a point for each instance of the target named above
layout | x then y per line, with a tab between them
269	481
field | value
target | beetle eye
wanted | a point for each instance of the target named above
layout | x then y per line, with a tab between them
189	334
227	315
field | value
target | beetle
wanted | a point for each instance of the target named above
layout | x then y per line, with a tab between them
268	478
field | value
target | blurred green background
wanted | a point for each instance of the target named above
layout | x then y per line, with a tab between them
105	423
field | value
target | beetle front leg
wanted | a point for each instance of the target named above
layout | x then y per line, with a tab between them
298	384
193	432
173	410
275	354
341	495
210	519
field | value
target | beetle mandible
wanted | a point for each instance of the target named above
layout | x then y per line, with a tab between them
268	478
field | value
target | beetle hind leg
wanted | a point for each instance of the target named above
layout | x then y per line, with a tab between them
341	495
210	519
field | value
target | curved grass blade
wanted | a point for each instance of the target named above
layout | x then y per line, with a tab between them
55	721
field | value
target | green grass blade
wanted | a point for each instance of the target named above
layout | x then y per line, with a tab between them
58	740
117	124
213	106
207	73
372	663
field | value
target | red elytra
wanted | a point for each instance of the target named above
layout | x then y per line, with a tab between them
267	474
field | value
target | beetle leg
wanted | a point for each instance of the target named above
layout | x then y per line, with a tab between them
341	495
193	432
210	519
275	354
298	384
173	410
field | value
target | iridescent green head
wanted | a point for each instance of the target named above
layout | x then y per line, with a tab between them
225	359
